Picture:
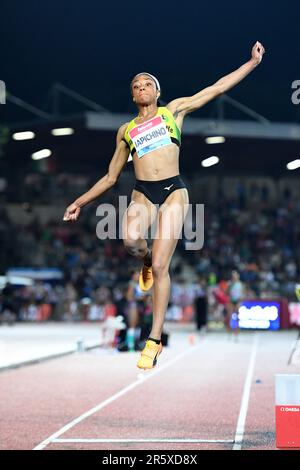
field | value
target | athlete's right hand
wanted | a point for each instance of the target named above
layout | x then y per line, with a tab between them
72	212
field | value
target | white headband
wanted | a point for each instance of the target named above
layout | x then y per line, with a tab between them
153	78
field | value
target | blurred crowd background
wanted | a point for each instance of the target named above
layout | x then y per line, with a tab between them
254	229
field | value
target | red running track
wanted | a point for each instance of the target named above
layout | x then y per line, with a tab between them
199	392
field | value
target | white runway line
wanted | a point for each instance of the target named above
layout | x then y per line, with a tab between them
240	429
113	398
294	351
132	441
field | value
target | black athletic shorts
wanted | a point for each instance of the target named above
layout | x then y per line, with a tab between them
158	191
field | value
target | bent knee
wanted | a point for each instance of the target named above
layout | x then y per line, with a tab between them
131	243
135	246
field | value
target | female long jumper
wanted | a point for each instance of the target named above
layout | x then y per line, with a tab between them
153	139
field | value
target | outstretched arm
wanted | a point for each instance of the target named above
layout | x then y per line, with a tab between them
116	165
182	106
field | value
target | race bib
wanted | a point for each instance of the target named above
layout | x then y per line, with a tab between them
149	136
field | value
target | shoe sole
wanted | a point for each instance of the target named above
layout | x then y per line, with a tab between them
142	284
154	361
144	288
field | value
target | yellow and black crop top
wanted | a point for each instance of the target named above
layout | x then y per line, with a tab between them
157	132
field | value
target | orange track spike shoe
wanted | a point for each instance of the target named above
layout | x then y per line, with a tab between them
146	278
149	355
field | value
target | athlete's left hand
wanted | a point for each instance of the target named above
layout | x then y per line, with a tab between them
258	51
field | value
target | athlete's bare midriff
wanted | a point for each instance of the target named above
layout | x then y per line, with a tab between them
157	165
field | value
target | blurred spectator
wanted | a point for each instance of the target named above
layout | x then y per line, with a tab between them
236	295
7	305
201	305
